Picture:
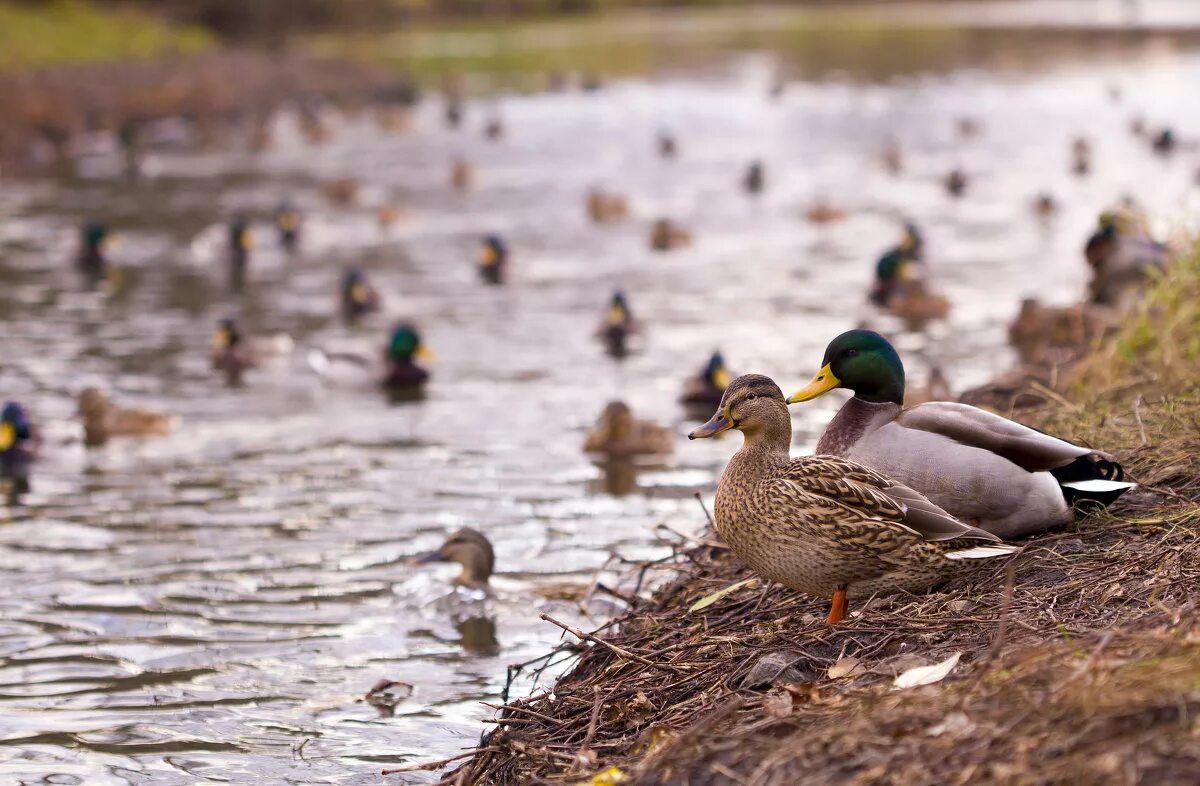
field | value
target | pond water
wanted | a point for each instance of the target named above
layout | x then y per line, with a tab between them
207	607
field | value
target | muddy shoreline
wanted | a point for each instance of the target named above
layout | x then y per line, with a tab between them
1077	664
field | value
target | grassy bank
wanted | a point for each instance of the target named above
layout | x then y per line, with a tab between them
54	33
1080	662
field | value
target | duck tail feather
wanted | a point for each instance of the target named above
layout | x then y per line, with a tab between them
984	552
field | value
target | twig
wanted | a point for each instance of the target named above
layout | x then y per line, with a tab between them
704	508
437	765
1137	415
1010	582
618	651
595	720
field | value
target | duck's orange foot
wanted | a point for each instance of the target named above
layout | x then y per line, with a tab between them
839	609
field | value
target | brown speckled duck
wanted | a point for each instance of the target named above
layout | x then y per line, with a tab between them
987	470
102	420
825	525
618	434
471	549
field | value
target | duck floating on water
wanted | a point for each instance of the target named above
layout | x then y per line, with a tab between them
1044	205
987	470
287	222
342	192
900	286
403	351
18	441
1081	156
823	212
1164	142
241	241
493	259
462	174
471	549
755	178
955	182
618	327
358	297
666	235
102	420
668	148
1121	254
93	245
618	434
605	208
706	388
825	525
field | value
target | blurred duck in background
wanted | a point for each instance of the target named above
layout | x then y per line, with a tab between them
103	420
471	549
1044	206
493	129
403	351
18	449
605	208
462	174
493	260
359	298
900	286
1164	142
618	434
891	157
234	353
703	392
342	192
755	178
94	240
665	235
983	469
937	388
287	222
618	326
668	148
823	212
1081	156
1121	253
241	241
956	182
1056	334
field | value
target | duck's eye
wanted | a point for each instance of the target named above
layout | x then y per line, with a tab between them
751	396
851	353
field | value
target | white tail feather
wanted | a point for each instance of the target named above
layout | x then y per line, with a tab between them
983	552
1098	486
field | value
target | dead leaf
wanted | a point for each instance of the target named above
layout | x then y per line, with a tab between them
842	667
709	600
927	675
778	704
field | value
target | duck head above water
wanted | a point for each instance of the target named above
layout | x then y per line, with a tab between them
471	549
405	345
754	405
862	361
14	426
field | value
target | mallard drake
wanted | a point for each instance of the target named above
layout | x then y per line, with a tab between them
618	434
1120	253
665	235
287	222
826	525
403	351
955	182
984	469
755	178
604	208
102	420
493	259
1081	156
618	326
18	441
462	174
93	245
706	388
1164	142
471	549
241	241
358	297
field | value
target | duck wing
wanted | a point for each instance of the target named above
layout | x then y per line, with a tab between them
876	497
1028	448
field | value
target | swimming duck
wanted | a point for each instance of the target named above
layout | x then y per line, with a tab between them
404	349
825	525
454	113
102	420
668	148
955	182
94	241
287	221
494	128
1164	142
1081	156
618	434
665	235
1044	205
462	174
754	179
359	298
471	549
706	388
18	441
984	469
822	212
241	240
618	326
230	354
968	127
493	259
604	208
342	192
1120	254
891	157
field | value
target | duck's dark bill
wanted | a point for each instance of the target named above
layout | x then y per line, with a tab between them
822	383
713	427
428	557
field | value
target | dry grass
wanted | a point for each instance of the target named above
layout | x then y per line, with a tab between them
1081	660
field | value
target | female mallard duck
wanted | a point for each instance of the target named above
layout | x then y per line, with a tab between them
823	212
999	475
471	549
462	174
358	297
102	420
665	235
493	259
706	388
825	525
619	434
618	326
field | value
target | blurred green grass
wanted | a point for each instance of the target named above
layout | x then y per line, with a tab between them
70	31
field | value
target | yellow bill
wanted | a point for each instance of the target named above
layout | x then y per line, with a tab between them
424	353
821	384
8	435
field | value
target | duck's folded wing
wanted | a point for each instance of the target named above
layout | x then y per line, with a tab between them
1028	448
869	493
